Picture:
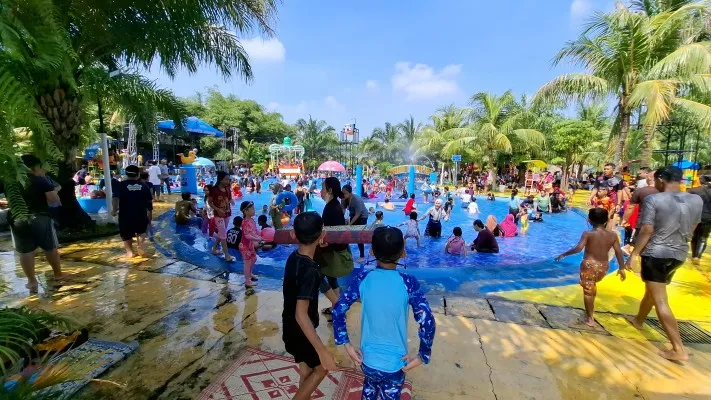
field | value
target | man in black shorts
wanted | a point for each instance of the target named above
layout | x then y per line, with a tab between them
38	230
667	221
136	207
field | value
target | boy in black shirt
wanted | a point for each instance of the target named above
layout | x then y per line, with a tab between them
300	315
136	208
234	235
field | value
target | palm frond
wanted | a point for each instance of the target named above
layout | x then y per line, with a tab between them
701	112
694	58
579	87
658	96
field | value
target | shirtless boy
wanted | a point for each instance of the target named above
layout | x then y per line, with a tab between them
597	244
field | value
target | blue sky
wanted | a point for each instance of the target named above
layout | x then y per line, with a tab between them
380	61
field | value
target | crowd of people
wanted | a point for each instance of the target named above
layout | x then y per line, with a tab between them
657	218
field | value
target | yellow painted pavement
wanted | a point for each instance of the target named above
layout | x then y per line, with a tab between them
689	294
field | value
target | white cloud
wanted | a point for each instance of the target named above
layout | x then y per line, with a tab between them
273	106
333	103
580	8
420	81
270	50
371	84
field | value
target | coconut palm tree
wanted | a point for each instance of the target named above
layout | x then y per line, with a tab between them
409	131
444	123
387	142
59	54
318	138
618	50
496	127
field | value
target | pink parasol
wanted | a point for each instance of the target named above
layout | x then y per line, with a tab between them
332	166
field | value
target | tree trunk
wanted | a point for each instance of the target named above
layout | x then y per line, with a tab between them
564	178
624	130
646	159
62	108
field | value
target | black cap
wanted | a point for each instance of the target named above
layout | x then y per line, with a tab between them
132	171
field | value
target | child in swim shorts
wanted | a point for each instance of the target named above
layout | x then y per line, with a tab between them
597	244
385	293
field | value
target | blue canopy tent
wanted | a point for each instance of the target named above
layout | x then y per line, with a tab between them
192	125
91	150
686	164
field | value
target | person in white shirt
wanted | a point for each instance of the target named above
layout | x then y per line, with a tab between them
154	174
466	198
473	207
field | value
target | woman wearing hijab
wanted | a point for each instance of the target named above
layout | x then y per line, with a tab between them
509	226
435	214
493	226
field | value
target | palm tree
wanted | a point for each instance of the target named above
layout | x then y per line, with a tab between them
249	152
618	50
409	131
59	54
317	137
434	137
387	143
496	127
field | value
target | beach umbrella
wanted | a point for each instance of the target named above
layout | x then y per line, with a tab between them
332	166
192	125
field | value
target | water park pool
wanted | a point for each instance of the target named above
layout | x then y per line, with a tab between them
524	262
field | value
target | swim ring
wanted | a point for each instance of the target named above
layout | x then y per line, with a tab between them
289	199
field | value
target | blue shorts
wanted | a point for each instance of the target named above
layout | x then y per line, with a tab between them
386	384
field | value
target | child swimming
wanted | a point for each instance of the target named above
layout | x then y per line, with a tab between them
413	229
455	244
597	244
378	220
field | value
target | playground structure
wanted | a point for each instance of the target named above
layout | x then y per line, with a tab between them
285	159
412	171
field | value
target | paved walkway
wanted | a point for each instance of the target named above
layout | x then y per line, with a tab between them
191	322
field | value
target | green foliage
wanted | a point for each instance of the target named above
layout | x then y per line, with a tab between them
209	146
252	120
572	136
647	56
223	155
251	152
21	328
383	167
318	138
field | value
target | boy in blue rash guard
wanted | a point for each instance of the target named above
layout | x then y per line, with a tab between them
385	294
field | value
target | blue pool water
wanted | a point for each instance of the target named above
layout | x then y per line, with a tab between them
524	262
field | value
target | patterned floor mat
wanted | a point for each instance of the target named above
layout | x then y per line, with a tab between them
258	375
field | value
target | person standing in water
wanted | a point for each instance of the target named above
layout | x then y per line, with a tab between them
358	215
667	222
435	214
